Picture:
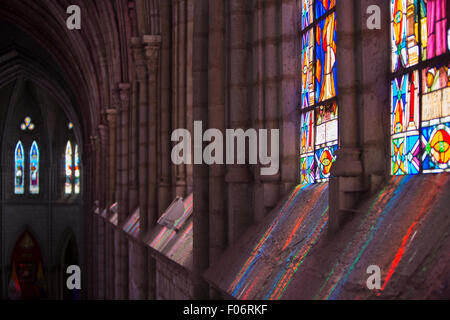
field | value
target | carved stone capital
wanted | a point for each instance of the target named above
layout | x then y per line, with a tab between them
111	114
152	52
124	95
138	52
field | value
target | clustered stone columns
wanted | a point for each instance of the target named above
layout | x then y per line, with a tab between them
236	86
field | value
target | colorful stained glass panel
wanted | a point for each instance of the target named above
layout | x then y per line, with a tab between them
325	157
77	185
34	168
68	168
19	165
307	69
405	33
436	145
326	70
307	13
434	28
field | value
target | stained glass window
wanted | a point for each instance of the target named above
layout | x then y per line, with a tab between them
19	165
72	169
420	87
77	170
319	109
34	168
68	168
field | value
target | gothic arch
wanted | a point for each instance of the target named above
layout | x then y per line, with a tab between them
27	277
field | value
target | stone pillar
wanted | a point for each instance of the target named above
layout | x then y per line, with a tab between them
164	192
102	187
90	221
216	119
270	184
120	241
238	177
152	51
375	91
111	116
289	97
137	254
201	172
179	83
258	98
346	181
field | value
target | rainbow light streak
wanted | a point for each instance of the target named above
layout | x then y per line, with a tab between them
188	206
248	266
296	259
184	251
382	198
425	209
306	211
133	224
163	238
336	289
181	243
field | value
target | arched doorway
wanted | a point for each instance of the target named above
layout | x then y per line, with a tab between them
69	258
27	281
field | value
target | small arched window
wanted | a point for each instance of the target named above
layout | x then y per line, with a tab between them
34	168
68	168
19	172
77	170
72	169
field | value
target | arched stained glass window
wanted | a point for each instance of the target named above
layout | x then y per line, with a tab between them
72	169
19	173
68	168
34	168
77	171
319	109
420	87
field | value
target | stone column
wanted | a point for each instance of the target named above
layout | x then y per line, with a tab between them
179	63
289	97
120	241
238	177
142	96
90	221
374	93
345	184
111	116
102	186
258	97
216	119
152	51
164	192
270	184
201	172
137	255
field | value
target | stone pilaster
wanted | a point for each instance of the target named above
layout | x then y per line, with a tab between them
120	241
346	181
164	168
238	177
